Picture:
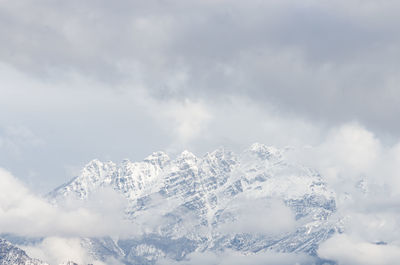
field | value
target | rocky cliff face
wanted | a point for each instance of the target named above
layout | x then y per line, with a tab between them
202	203
12	255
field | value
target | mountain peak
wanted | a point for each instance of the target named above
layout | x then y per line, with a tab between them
197	198
186	155
264	151
220	151
94	163
96	167
157	158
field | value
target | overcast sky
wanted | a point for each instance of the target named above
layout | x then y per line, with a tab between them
120	79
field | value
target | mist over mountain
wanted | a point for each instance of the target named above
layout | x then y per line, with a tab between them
255	203
261	206
196	132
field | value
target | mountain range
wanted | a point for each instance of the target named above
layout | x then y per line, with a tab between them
259	201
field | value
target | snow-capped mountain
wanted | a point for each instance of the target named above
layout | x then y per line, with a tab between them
205	203
12	255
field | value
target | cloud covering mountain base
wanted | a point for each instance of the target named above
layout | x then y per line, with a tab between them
352	161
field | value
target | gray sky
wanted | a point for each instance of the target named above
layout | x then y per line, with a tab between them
121	79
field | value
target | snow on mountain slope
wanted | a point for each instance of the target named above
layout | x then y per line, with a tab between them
192	200
132	179
12	255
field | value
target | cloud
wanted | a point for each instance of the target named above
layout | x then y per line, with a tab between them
346	154
195	74
363	172
259	216
25	214
236	258
190	118
353	251
59	250
106	80
352	146
56	250
276	52
185	120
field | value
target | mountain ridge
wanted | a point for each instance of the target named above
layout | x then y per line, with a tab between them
208	187
257	201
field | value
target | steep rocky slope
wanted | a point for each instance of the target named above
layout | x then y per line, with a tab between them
203	203
12	255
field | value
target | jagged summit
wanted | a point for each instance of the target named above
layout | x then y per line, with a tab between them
264	151
208	188
257	163
158	158
186	156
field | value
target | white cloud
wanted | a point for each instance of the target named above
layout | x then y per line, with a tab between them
23	213
348	154
354	251
363	172
192	56
258	216
352	148
186	119
56	250
345	155
235	258
199	74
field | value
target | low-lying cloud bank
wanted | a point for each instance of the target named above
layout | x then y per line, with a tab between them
235	258
56	250
352	250
259	216
25	214
365	175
